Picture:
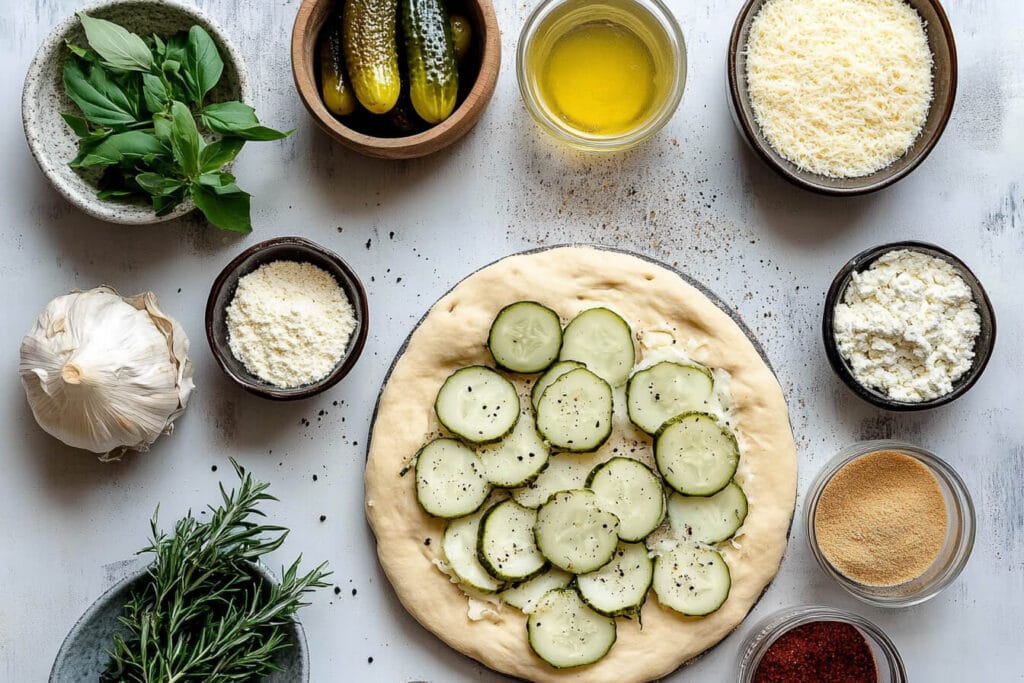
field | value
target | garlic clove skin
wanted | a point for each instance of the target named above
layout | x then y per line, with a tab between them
105	373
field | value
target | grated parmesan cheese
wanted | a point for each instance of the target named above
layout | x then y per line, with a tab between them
841	88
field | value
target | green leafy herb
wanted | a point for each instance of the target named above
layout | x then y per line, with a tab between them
202	614
143	118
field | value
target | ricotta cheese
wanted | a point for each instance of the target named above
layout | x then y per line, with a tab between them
841	88
907	326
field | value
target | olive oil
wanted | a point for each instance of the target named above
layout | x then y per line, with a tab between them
600	70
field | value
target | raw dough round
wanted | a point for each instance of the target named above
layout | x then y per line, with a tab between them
454	334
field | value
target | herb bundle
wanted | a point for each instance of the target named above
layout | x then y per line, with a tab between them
203	614
140	99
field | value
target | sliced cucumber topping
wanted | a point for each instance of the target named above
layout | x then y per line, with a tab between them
477	404
620	587
449	479
574	533
631	491
526	595
563	472
517	459
553	373
575	412
696	455
710	519
564	632
505	545
691	580
459	546
665	390
525	337
602	341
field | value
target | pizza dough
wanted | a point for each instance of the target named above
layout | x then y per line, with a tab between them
454	334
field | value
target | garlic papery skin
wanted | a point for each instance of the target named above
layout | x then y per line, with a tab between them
106	373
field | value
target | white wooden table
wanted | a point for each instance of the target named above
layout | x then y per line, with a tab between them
693	196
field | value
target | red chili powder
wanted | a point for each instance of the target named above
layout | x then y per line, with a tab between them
819	652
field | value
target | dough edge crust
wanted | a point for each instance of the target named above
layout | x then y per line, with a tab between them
453	334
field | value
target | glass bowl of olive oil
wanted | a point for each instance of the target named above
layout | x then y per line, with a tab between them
601	75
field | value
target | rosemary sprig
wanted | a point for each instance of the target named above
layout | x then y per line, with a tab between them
204	615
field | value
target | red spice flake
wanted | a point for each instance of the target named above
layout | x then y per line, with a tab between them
819	652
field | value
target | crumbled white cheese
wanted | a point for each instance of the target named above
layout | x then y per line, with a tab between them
479	605
841	88
907	326
289	323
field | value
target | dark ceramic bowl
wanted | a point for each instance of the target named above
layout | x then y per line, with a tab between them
82	657
944	77
982	345
223	291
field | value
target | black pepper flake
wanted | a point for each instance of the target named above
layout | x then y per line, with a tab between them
323	518
213	468
369	660
368	243
337	590
315	477
426	541
354	591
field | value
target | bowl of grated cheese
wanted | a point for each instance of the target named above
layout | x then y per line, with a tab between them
286	319
842	97
908	326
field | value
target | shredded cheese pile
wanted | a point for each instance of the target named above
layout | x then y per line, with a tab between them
841	88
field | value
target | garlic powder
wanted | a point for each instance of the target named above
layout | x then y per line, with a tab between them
289	323
907	326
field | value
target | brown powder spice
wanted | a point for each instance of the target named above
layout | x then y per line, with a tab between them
881	520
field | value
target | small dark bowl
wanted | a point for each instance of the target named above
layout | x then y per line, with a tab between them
223	291
982	345
82	657
944	77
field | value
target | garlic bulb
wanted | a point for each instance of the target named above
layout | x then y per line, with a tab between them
106	373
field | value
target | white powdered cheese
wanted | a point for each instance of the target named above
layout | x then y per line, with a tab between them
841	88
289	323
907	326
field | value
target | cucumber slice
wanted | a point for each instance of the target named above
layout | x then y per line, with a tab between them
691	580
620	587
710	519
449	479
553	373
630	490
575	412
459	546
525	337
664	390
517	459
563	472
574	533
602	341
505	545
564	632
526	595
696	455
477	404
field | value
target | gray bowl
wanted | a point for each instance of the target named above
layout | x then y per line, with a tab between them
944	78
53	144
83	654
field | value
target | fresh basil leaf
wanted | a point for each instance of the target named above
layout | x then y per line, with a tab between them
226	210
162	127
77	124
175	50
118	47
164	204
202	65
221	182
158	185
215	155
159	46
154	93
185	140
77	50
101	100
238	120
106	195
133	144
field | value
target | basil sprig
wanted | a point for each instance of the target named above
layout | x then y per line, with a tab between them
145	120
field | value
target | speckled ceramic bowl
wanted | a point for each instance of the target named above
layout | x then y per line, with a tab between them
83	654
53	144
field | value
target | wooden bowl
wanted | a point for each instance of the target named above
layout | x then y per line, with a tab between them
486	46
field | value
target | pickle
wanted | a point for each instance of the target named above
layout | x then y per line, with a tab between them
433	78
462	35
371	52
334	86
